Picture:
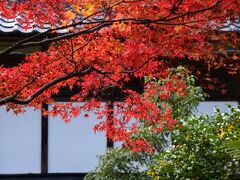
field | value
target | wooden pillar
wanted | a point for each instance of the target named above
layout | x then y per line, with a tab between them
44	141
109	122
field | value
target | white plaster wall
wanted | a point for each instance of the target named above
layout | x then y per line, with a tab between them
74	147
207	107
20	142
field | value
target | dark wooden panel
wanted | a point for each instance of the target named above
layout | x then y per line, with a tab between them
62	176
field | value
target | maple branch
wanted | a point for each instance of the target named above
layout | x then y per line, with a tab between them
15	100
101	24
24	43
65	36
20	44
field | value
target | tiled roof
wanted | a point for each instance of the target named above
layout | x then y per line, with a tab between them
12	25
231	25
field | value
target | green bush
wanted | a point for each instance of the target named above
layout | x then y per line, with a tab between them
197	151
119	164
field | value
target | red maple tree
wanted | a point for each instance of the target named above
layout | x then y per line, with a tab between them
104	45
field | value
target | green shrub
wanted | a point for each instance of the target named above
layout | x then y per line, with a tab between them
197	151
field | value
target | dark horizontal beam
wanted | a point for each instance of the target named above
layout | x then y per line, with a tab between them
50	176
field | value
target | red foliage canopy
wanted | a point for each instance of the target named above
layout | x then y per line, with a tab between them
105	45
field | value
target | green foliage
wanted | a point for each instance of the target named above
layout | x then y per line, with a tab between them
119	164
197	152
193	151
232	146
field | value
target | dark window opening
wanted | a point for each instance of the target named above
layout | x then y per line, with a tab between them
12	59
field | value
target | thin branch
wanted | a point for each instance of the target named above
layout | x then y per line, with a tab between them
18	44
83	46
24	87
27	43
174	9
128	71
101	24
195	12
105	74
65	36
